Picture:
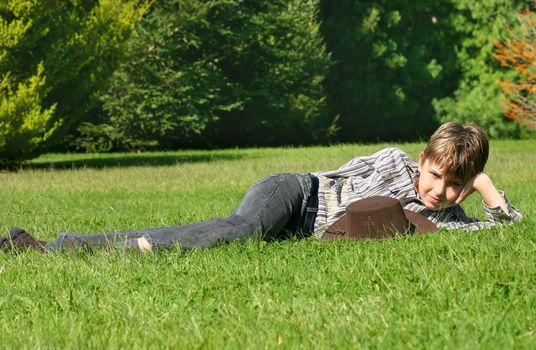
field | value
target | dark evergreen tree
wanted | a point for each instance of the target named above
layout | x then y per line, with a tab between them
392	58
219	73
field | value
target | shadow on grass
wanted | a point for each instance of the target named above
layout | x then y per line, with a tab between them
99	161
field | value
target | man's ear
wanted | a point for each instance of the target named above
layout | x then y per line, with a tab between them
421	161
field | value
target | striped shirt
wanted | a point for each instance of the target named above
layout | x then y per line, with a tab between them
392	173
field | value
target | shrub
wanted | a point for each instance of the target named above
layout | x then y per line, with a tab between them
55	56
24	124
392	58
219	73
517	51
476	98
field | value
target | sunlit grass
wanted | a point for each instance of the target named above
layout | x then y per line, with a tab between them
450	290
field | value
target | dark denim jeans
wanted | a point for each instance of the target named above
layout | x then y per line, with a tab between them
272	209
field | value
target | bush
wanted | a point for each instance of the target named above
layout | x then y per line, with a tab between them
517	51
392	58
24	124
218	73
476	98
55	56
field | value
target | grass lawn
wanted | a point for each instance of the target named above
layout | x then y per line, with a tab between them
455	290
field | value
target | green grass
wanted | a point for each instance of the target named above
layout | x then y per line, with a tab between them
449	290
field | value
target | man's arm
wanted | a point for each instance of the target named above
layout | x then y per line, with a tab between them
498	209
482	184
496	205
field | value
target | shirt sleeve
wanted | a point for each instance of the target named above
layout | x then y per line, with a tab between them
458	220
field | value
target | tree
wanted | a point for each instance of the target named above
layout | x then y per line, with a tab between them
517	51
24	124
476	24
392	58
55	57
217	73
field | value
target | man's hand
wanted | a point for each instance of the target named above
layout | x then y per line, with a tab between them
482	184
468	188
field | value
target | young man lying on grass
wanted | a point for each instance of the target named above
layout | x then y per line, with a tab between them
448	170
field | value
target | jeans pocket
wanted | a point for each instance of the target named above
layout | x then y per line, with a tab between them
275	178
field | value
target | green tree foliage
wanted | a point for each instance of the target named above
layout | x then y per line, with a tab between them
24	124
391	59
476	99
219	73
517	51
55	56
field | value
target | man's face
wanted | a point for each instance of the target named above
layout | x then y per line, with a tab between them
437	189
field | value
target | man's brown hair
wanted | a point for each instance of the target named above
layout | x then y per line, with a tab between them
461	149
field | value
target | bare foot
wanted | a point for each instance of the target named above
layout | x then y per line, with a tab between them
144	245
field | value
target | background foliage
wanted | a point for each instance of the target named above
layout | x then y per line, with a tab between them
476	98
55	58
218	73
517	50
392	58
240	72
